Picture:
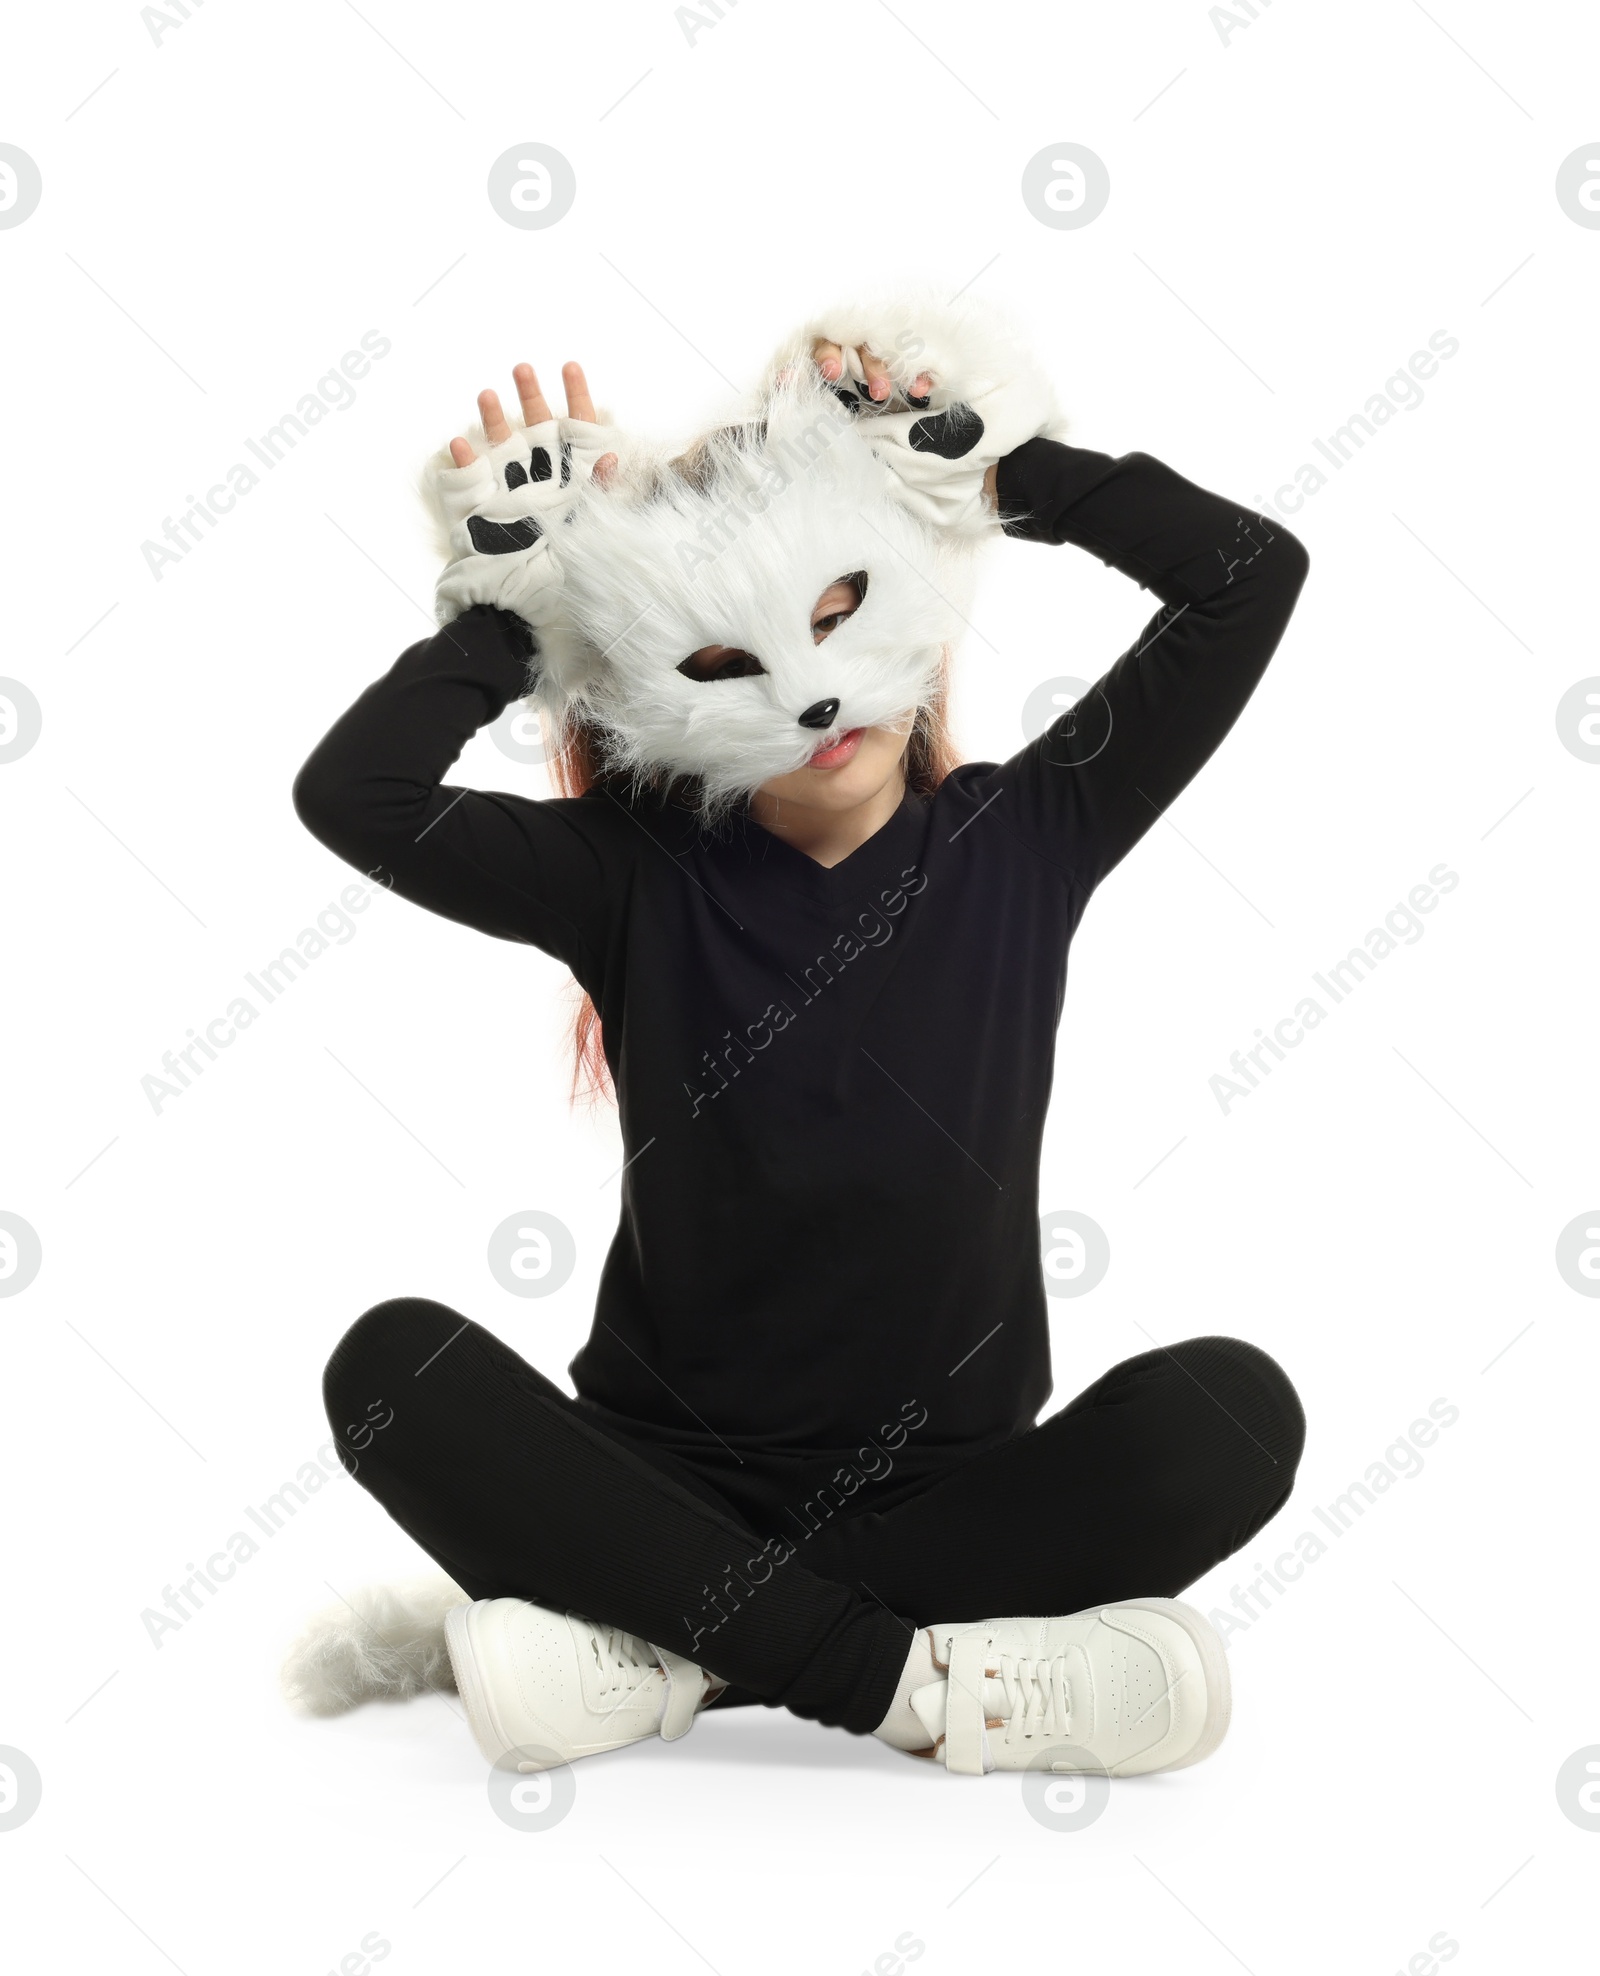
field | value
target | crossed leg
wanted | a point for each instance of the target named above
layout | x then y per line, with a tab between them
1159	1470
1162	1468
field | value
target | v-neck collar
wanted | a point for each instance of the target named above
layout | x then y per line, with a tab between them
894	845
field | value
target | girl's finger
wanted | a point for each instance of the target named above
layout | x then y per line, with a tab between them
494	419
880	386
604	468
920	389
828	358
462	453
579	404
534	409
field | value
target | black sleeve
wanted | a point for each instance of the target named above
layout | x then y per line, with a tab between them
1094	782
548	873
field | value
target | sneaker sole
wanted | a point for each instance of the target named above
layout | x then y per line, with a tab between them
1214	1662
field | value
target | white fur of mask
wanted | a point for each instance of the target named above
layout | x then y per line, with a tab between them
779	511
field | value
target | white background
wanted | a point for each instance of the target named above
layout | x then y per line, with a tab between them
1297	204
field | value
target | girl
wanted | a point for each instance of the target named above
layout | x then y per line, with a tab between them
802	1466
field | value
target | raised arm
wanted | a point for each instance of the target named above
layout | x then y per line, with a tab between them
543	872
373	792
1089	788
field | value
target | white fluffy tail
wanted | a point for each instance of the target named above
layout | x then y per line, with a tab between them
386	1643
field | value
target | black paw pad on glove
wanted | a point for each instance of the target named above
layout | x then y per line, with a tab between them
951	434
504	538
539	467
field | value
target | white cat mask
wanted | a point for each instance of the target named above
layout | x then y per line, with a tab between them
738	555
734	545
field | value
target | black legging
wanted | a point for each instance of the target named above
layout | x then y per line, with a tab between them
1164	1467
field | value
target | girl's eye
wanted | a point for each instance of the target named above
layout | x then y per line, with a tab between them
822	627
732	665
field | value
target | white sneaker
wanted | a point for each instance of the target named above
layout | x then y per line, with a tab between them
1121	1689
550	1686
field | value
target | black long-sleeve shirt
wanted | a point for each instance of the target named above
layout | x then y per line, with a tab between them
832	1082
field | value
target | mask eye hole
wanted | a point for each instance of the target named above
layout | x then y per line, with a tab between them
720	662
841	600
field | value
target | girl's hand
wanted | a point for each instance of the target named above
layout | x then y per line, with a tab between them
953	396
535	411
499	508
829	360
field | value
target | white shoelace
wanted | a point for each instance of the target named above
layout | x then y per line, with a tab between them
1027	1699
1038	1699
625	1661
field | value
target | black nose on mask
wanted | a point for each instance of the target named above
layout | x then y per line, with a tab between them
820	715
